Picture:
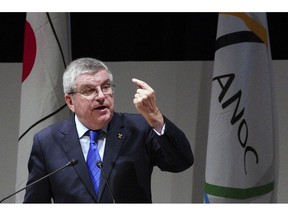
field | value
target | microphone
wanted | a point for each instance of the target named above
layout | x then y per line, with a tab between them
100	166
70	163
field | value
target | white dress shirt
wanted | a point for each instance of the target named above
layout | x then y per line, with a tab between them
85	139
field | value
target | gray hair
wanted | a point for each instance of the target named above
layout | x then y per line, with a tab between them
81	66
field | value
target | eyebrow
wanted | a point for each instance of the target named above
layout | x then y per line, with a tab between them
107	81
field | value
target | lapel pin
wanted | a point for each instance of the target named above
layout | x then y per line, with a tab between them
120	135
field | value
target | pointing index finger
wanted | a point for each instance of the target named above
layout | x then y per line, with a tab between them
140	84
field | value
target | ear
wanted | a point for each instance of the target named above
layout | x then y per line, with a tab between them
69	102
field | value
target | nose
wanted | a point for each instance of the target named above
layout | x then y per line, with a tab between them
100	94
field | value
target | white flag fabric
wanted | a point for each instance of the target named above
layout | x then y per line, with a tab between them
46	52
239	163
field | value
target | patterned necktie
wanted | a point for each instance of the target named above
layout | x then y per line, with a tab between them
92	158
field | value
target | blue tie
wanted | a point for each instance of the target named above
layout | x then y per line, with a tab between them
92	158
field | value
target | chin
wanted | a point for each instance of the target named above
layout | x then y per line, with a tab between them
104	119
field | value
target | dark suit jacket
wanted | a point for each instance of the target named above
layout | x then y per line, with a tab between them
132	149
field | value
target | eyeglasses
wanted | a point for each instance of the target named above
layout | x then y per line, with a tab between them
90	93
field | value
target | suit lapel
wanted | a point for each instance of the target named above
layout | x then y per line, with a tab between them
71	145
114	141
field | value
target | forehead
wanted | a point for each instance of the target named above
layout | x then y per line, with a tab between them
93	78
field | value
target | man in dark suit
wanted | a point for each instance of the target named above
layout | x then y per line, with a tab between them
130	145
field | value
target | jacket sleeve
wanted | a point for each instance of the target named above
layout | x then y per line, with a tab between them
172	150
39	192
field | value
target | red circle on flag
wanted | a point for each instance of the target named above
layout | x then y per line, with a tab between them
29	51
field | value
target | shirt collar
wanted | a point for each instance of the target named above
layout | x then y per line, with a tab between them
81	129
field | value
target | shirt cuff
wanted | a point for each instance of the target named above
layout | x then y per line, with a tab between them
162	131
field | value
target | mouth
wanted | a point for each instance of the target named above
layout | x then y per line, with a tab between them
101	108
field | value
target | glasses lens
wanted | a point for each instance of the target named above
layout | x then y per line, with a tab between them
91	93
88	92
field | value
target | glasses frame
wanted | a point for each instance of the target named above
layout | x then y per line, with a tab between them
90	93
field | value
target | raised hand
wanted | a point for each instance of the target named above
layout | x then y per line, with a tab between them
145	103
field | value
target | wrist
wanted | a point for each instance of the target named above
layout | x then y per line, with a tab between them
155	120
